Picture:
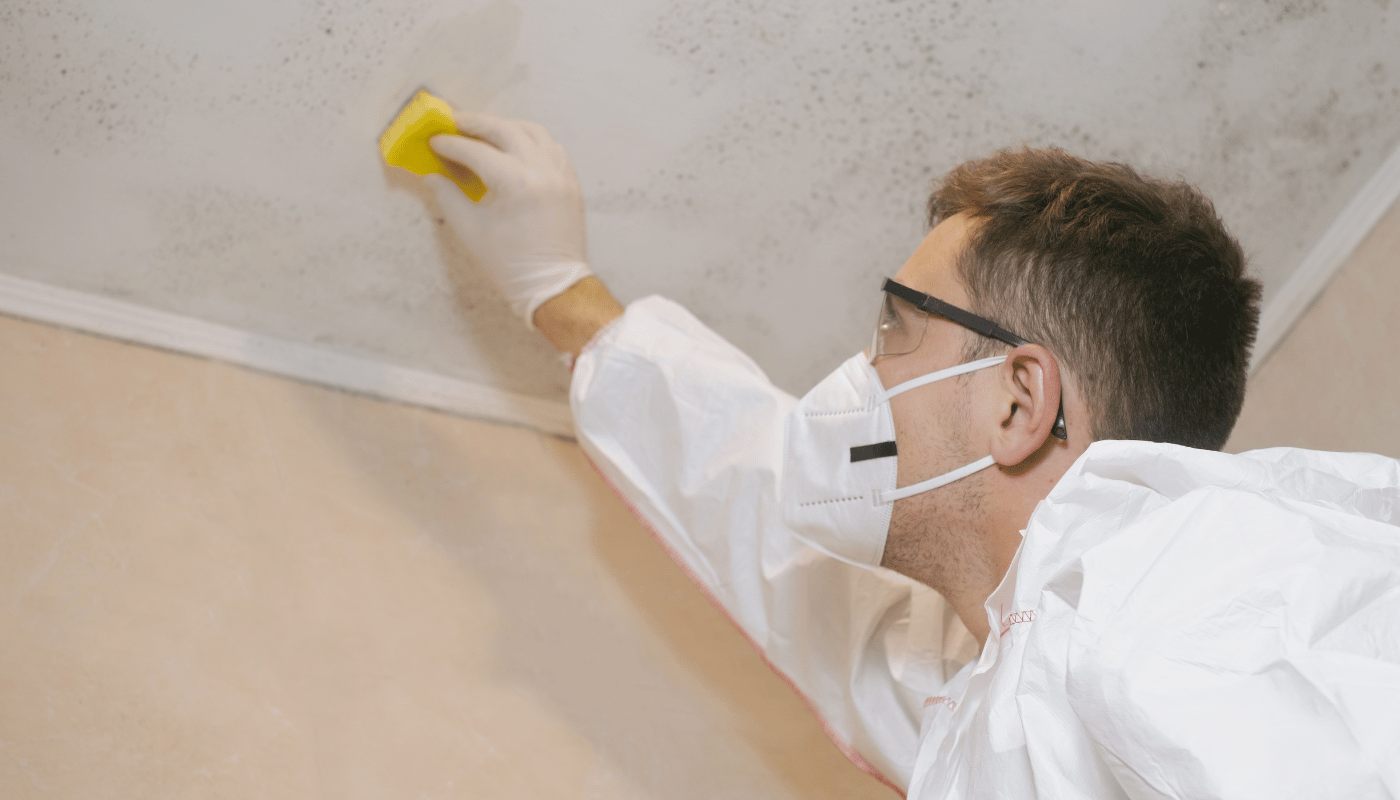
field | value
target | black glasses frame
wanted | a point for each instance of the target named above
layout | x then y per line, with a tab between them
969	320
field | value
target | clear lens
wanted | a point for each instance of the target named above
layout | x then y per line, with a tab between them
899	329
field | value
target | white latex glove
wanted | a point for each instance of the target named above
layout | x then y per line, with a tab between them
528	230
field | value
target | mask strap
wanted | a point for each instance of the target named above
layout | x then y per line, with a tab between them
924	380
934	482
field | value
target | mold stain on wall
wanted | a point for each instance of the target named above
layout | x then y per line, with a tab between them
762	163
854	108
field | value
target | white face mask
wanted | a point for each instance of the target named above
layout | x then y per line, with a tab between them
839	468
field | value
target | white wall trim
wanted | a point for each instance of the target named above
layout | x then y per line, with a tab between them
1332	250
119	320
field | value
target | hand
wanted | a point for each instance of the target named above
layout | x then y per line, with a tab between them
528	229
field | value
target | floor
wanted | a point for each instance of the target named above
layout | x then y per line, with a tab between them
221	584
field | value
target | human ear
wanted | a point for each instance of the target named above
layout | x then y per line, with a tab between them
1029	397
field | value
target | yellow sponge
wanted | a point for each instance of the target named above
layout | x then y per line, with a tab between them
405	142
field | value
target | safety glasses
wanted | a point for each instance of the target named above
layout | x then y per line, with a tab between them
904	316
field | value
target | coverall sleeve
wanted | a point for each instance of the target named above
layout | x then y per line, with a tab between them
689	432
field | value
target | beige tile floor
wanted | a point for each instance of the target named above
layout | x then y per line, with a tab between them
221	584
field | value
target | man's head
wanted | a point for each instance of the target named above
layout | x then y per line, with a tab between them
1133	283
1137	318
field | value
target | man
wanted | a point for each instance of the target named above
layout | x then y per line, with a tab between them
1115	609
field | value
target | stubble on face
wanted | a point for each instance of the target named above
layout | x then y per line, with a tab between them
934	536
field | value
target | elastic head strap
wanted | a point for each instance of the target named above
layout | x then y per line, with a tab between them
934	482
932	377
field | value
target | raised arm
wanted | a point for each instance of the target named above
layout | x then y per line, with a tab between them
689	431
527	232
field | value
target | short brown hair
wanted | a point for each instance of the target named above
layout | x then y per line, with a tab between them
1132	282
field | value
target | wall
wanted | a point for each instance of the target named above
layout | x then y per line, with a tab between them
1332	384
763	163
220	584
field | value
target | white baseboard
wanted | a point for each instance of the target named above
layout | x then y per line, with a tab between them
130	322
119	320
1332	249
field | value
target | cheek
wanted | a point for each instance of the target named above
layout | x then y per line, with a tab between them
915	432
929	427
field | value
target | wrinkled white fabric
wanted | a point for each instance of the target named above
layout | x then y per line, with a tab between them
1177	623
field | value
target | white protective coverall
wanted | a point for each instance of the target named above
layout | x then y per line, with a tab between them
1176	623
